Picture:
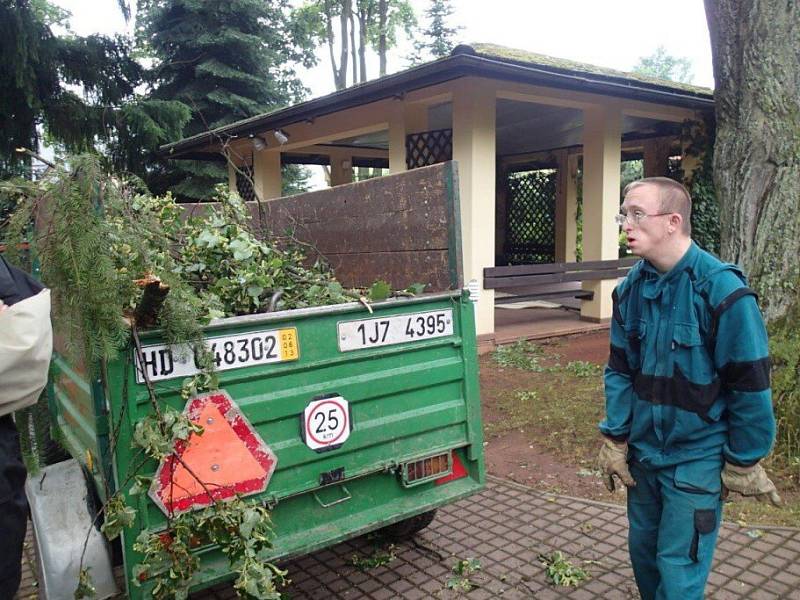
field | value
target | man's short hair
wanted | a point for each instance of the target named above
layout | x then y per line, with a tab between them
672	198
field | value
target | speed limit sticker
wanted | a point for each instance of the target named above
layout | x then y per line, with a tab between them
326	423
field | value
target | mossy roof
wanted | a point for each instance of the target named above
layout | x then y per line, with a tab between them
525	57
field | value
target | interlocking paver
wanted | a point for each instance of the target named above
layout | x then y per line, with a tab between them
506	527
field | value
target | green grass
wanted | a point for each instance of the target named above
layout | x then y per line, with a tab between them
519	355
564	408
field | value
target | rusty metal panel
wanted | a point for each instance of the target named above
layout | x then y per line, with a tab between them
401	228
399	269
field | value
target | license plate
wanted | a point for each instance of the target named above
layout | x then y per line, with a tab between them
398	329
229	352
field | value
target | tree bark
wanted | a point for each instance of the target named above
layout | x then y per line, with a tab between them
756	56
353	47
383	19
329	32
344	18
365	11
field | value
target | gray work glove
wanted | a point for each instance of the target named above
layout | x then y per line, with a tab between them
749	481
613	460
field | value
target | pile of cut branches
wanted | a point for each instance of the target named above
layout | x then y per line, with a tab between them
119	260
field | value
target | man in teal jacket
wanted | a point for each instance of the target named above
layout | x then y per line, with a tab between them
688	403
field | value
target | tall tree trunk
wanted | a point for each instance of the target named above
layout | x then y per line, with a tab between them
364	17
756	54
353	47
344	18
329	33
383	19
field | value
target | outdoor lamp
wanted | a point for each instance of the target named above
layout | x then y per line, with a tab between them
281	136
259	143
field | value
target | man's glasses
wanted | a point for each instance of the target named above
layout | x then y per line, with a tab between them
635	217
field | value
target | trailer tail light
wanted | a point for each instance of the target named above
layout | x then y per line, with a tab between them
427	469
457	472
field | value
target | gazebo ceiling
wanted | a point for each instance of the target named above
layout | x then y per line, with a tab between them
525	127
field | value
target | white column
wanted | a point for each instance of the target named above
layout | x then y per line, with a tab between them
341	167
267	174
232	177
571	208
474	149
602	139
397	138
405	118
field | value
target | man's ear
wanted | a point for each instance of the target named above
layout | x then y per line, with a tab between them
675	223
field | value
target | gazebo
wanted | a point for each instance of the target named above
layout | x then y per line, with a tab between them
528	131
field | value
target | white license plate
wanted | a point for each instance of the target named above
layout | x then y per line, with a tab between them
229	352
399	329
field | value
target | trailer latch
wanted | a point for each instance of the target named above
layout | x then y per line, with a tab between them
332	476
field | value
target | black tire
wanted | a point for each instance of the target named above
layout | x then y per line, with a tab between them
407	528
49	450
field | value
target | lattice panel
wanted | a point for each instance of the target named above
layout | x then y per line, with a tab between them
531	217
428	148
244	183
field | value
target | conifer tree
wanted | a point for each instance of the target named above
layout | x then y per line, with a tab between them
39	74
226	60
437	39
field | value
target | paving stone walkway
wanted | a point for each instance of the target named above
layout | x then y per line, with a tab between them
507	527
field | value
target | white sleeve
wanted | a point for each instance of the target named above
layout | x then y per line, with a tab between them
26	344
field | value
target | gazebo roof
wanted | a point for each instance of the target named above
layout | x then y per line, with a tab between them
524	57
479	60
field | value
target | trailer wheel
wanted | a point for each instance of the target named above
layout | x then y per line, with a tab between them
407	528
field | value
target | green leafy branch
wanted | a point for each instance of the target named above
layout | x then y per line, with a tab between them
561	571
462	571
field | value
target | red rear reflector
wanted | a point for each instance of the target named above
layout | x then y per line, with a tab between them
427	468
458	471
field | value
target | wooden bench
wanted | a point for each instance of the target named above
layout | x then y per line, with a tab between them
556	280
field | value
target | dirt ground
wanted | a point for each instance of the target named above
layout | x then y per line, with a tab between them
519	453
541	405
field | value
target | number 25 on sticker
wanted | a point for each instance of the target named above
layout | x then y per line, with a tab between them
326	423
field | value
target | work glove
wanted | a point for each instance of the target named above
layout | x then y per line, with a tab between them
749	481
613	460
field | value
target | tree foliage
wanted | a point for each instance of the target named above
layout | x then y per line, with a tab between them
350	27
705	208
79	92
662	65
225	60
437	39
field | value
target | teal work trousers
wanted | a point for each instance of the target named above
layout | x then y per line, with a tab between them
674	515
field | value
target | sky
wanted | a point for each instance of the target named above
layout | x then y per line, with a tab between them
609	33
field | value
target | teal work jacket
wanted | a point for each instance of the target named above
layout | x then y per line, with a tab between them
688	373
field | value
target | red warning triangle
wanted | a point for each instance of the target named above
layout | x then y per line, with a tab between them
229	458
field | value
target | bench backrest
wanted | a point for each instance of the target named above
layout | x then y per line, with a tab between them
528	275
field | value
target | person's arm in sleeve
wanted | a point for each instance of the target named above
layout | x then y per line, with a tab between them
618	381
741	357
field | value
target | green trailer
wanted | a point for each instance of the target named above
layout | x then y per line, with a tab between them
355	420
